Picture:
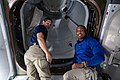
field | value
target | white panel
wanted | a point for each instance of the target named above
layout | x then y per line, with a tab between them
111	27
6	66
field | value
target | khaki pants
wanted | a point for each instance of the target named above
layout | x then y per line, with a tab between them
37	66
81	74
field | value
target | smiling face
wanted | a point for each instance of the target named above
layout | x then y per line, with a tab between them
47	23
80	32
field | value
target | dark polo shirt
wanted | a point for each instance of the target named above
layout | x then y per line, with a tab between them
38	29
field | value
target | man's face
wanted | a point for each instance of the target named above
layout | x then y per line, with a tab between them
47	24
80	32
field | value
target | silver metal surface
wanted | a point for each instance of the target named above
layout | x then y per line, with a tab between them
6	65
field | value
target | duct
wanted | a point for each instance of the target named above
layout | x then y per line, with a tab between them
61	36
54	5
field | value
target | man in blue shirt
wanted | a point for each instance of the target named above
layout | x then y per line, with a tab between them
88	53
37	57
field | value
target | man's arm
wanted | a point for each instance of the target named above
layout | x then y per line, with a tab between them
42	43
98	53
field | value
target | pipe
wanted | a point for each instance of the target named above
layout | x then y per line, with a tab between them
70	19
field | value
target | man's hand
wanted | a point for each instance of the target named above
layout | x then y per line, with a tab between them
76	65
49	57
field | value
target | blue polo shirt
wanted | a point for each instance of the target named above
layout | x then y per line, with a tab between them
38	29
89	50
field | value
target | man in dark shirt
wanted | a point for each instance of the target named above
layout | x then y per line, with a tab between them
88	54
37	58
